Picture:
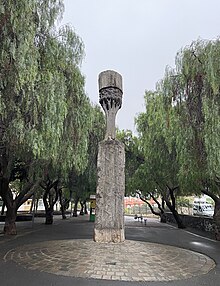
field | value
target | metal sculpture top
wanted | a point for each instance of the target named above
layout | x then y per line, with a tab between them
110	98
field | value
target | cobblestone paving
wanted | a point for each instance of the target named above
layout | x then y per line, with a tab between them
128	261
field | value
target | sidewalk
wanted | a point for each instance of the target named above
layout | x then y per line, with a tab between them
65	254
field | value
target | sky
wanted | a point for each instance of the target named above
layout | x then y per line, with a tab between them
138	39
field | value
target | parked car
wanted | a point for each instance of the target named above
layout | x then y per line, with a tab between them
204	209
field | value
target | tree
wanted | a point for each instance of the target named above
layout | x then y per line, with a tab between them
193	88
145	198
84	184
50	197
133	157
43	106
135	171
161	167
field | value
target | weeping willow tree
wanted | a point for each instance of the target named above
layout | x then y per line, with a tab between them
159	171
84	184
192	91
73	152
44	112
133	158
96	135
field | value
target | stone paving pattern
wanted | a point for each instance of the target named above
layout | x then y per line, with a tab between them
127	261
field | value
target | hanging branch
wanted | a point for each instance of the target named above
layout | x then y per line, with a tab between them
28	195
150	206
193	53
158	203
211	195
171	193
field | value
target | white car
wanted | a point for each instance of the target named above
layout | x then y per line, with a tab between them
203	209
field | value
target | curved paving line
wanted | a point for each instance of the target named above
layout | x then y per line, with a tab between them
127	261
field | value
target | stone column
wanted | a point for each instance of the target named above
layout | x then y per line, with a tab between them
109	220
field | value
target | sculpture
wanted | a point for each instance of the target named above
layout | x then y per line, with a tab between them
109	218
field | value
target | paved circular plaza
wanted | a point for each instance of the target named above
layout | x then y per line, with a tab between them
127	261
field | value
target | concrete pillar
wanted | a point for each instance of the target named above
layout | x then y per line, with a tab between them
110	98
109	221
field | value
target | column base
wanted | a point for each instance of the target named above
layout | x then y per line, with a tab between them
109	235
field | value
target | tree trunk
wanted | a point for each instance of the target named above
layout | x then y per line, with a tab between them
82	208
32	205
172	206
11	213
163	218
49	215
178	219
75	207
85	208
36	206
216	216
3	208
161	214
150	206
50	197
163	203
175	215
62	205
63	211
216	219
48	212
10	226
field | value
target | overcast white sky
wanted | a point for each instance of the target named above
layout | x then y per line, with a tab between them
138	39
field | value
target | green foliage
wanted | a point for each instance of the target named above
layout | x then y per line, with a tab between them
133	157
96	134
83	184
179	131
44	110
193	88
156	139
183	202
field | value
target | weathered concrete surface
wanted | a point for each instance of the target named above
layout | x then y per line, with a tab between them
109	221
110	78
110	98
